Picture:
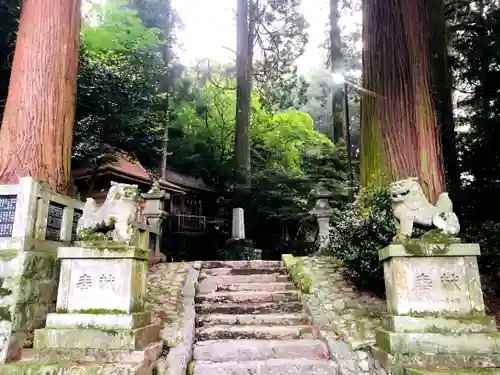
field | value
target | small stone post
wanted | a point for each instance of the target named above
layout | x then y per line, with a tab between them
238	232
154	215
323	212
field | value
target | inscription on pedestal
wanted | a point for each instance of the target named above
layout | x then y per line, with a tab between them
429	285
7	214
97	285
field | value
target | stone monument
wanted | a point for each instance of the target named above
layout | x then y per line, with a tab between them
238	229
323	213
436	316
100	317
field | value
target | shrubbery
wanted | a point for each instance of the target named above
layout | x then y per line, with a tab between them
366	226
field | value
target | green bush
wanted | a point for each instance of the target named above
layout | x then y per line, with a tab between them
487	234
365	227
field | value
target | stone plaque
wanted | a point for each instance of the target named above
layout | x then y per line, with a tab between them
7	214
421	284
77	214
99	284
54	222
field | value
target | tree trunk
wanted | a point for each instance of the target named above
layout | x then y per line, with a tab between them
337	66
243	92
36	133
166	82
400	135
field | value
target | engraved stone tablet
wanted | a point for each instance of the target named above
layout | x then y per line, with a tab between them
7	214
54	222
101	279
434	284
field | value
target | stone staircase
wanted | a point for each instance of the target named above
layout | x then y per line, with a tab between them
250	321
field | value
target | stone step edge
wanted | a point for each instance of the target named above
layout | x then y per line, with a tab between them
249	293
269	363
243	264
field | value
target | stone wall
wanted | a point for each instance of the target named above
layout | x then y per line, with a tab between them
346	318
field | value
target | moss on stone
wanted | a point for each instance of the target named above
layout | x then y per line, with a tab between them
99	311
8	254
5	314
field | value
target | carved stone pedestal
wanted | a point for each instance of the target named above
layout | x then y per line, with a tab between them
436	316
100	317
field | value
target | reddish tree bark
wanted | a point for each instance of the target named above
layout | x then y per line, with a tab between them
400	129
37	127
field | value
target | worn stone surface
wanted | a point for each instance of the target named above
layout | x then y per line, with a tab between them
256	327
268	367
94	338
164	299
432	284
347	319
99	321
42	368
251	350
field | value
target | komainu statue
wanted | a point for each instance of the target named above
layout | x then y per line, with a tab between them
410	206
115	217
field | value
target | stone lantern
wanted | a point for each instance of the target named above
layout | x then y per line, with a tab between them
323	212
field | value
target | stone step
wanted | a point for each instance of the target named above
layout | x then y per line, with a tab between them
225	332
257	350
243	264
258	319
247	297
241	271
43	368
92	355
238	279
268	367
256	286
471	371
249	308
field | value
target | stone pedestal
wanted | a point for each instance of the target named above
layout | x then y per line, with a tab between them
100	313
436	316
238	228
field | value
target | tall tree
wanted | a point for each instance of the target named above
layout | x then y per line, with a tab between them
36	133
244	56
337	66
400	130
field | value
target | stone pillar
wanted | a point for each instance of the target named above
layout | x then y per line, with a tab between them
154	215
323	212
238	228
436	316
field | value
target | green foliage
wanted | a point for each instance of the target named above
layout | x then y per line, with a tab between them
365	227
114	26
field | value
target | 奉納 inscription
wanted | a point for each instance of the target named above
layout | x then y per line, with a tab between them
84	282
106	281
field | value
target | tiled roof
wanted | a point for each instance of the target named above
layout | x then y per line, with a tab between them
132	168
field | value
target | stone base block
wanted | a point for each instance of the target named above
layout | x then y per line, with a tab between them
43	368
100	339
438	343
99	321
91	355
431	324
485	371
394	364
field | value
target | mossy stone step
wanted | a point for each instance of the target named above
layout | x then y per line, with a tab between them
472	371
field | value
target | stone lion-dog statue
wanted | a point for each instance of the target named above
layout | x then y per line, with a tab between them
117	214
410	206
